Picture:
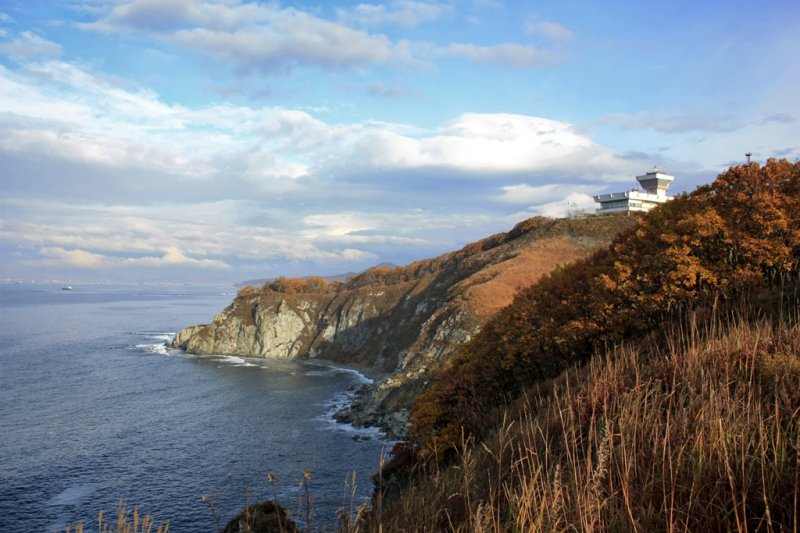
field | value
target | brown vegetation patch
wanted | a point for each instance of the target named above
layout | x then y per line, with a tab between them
723	244
702	435
494	287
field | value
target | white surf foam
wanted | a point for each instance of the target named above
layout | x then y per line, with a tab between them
159	349
232	360
320	373
362	433
332	369
73	494
359	376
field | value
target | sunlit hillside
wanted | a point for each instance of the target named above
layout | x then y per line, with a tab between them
685	418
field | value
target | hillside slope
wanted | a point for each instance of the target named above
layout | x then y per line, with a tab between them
649	387
701	434
405	321
734	242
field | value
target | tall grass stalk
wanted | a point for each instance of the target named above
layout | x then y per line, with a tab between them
698	434
127	522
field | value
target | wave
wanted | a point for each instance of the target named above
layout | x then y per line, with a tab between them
160	349
163	336
231	360
364	380
359	433
73	494
312	368
332	370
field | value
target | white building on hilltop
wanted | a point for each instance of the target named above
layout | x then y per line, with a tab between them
655	183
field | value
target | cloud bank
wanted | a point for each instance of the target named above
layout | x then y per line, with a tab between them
267	37
105	176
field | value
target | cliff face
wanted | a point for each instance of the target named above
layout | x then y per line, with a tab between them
402	321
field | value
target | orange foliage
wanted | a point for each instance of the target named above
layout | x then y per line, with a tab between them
247	290
487	296
738	234
298	285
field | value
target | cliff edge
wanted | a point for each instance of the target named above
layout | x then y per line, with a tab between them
403	322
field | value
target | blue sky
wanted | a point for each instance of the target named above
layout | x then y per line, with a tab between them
221	140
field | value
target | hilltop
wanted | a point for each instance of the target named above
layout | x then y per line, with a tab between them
649	387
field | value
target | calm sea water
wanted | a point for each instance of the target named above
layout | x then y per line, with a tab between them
94	410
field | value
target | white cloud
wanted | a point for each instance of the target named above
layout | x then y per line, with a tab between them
67	112
780	118
671	123
550	30
492	4
573	203
484	144
340	224
266	37
55	256
300	39
109	237
507	55
81	117
569	205
174	257
405	13
360	227
154	15
390	89
28	46
221	186
536	195
252	36
76	258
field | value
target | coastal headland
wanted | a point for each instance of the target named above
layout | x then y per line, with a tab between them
401	322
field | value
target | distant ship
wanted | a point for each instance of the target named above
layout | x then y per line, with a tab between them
67	288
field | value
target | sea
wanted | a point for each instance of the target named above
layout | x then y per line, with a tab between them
94	410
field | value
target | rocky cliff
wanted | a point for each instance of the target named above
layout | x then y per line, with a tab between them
403	321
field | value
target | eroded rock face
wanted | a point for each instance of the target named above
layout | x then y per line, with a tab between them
405	322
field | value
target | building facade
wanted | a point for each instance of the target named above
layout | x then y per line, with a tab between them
655	184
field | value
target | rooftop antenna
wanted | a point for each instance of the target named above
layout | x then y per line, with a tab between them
748	154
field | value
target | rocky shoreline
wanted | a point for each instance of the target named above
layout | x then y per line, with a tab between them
360	411
359	408
403	322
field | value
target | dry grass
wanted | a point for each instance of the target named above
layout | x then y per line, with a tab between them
494	287
699	435
126	522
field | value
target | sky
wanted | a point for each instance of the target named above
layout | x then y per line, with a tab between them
224	140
